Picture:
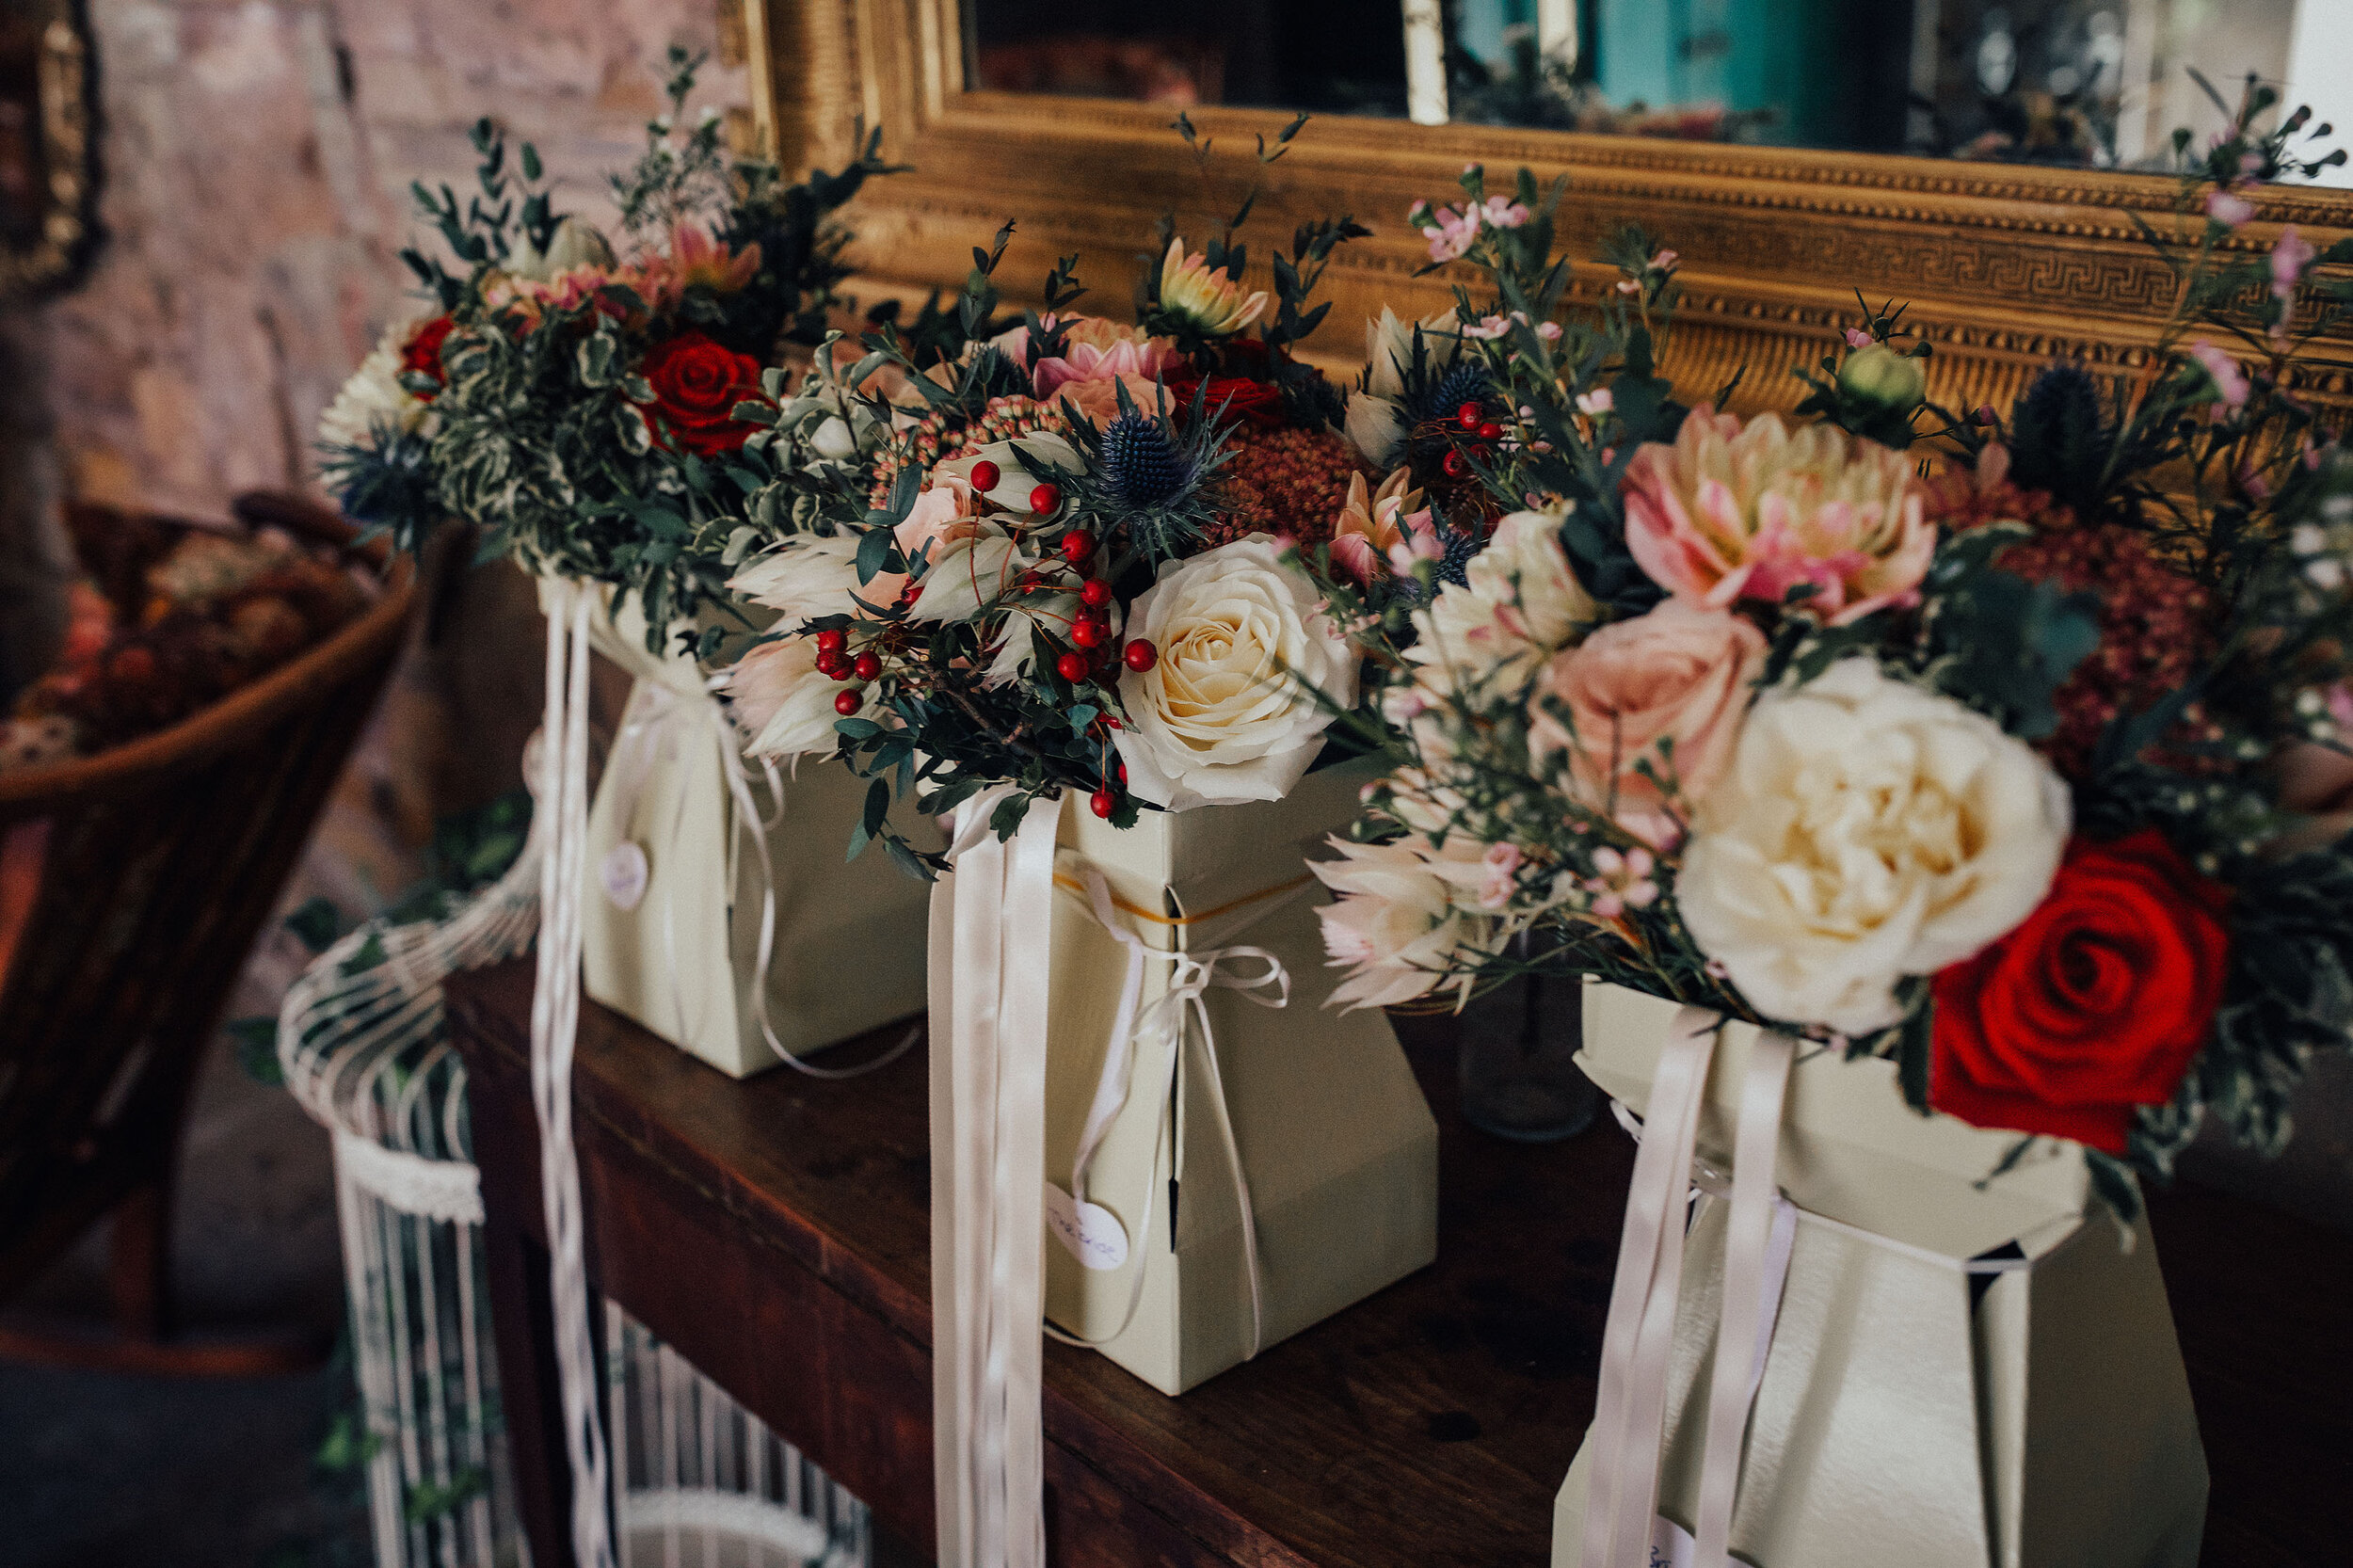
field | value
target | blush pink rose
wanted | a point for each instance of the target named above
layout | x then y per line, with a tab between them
1679	674
1728	512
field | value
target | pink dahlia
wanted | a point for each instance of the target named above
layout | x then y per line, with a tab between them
1729	512
1098	355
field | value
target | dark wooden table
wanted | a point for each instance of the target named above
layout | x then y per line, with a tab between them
776	1232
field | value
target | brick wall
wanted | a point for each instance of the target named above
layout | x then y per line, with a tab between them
257	162
254	197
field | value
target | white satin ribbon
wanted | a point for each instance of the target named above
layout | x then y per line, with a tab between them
1622	1499
1732	1391
1629	1411
991	952
554	1032
1147	1031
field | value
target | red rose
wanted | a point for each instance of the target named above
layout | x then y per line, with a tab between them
696	384
421	355
1258	402
2095	1005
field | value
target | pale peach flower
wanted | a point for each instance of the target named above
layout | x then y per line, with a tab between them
1373	524
783	703
1730	512
1097	355
1395	926
694	257
1668	688
566	291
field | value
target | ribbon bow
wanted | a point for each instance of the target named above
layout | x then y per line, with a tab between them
1163	1025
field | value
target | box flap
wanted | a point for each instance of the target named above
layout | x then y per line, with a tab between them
1851	1149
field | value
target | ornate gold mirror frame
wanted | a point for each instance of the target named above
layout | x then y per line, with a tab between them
48	174
2005	266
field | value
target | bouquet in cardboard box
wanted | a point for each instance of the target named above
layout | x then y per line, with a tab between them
584	402
1052	577
2000	743
1057	554
580	401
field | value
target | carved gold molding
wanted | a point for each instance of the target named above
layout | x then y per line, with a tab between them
2005	266
62	169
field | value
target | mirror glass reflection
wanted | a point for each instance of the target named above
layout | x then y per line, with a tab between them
2092	84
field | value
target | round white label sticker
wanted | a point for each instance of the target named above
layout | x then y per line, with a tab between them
1094	1236
623	874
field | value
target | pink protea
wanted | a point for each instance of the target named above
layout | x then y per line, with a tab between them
1729	512
694	257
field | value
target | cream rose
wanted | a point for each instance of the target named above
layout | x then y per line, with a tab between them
1865	830
1669	689
1225	714
1521	604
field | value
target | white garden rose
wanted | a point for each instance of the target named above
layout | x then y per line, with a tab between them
1865	830
1225	714
373	400
1395	926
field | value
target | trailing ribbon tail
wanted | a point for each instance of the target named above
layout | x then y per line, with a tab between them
554	1032
1750	1292
1629	1414
991	952
1630	1421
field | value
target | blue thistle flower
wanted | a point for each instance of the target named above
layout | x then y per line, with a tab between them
1465	383
2059	436
1457	545
1139	463
389	482
1454	565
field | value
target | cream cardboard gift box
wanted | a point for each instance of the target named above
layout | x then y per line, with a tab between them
1334	1140
1911	1412
678	879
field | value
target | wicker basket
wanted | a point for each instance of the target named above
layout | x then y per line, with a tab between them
157	862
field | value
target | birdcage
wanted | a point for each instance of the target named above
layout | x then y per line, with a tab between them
700	1481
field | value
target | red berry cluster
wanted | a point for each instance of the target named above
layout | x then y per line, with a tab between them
1290	482
1471	434
834	658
